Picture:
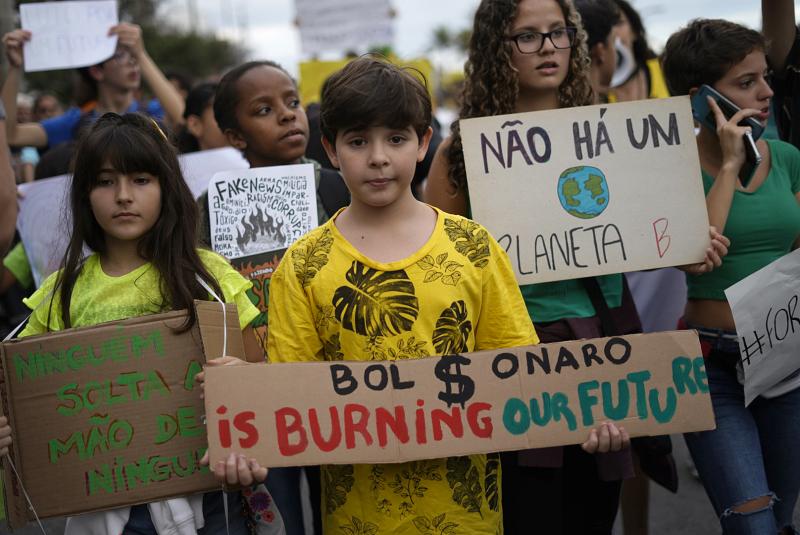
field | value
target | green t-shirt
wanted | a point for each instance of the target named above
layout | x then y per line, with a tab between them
98	297
761	225
16	261
551	301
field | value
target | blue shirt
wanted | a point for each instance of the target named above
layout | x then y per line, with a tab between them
64	127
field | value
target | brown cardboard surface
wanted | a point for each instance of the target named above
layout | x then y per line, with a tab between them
109	415
291	414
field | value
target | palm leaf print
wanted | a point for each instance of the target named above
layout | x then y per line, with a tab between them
462	476
440	269
337	481
490	481
376	302
359	527
452	330
332	348
310	255
469	239
435	526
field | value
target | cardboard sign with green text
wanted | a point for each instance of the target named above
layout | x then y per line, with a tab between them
110	415
589	191
507	399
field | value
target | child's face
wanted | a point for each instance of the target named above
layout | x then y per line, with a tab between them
121	71
273	128
545	69
746	84
125	206
378	163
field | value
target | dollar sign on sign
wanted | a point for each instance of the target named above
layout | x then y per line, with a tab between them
459	388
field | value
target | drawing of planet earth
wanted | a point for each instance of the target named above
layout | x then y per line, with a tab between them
583	191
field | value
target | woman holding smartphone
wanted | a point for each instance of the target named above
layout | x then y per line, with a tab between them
749	464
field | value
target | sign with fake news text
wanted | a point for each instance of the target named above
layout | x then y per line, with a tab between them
765	310
507	399
255	215
589	191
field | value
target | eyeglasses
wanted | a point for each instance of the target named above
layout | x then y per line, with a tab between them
123	55
532	42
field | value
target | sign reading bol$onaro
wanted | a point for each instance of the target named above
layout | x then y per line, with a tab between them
506	399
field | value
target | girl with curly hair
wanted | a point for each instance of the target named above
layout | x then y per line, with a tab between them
525	56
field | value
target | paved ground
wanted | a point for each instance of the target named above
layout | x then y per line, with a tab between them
686	513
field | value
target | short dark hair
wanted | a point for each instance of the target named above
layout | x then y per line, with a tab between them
372	92
598	17
227	96
703	51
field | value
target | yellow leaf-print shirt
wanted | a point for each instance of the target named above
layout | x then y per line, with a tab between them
456	294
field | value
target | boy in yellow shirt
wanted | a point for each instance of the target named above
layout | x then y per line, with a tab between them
388	278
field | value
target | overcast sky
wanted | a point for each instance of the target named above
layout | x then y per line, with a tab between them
265	27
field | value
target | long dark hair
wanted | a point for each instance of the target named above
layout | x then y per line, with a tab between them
133	143
491	84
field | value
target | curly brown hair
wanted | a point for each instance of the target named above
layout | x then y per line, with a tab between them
491	84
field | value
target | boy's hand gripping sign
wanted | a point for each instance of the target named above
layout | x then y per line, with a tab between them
589	191
507	399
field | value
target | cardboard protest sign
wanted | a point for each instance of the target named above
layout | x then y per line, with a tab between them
589	191
110	415
507	399
65	35
342	25
255	214
765	309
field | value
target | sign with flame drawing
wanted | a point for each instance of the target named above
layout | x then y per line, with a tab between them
255	214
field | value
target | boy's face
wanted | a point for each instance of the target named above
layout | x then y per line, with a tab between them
273	127
377	162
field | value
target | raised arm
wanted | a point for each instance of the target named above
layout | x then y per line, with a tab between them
18	135
130	36
779	28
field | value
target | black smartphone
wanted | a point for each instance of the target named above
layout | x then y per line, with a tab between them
704	115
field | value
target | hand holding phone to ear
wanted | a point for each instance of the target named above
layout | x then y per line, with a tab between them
732	136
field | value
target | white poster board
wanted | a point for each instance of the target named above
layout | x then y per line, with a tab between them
199	167
589	191
765	309
343	25
65	35
255	211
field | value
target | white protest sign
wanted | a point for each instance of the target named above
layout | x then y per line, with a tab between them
342	25
765	309
44	220
199	167
68	34
589	191
256	211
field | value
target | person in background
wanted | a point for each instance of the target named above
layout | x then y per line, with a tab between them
783	36
8	190
748	465
600	18
200	130
116	81
46	106
646	80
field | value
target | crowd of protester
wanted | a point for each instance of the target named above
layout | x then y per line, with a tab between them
389	180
